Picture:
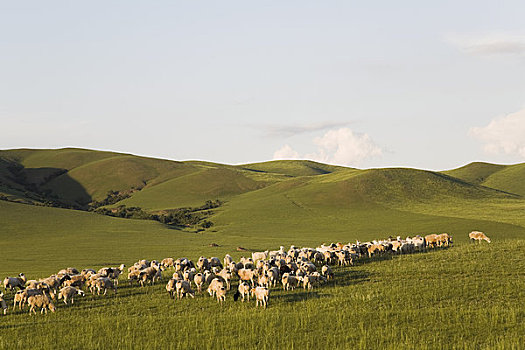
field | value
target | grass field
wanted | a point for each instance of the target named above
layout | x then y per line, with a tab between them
468	296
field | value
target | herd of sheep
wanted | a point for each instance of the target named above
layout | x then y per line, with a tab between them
256	275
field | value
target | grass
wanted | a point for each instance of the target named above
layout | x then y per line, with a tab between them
469	296
465	297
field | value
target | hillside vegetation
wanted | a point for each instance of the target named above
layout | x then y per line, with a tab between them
292	202
468	296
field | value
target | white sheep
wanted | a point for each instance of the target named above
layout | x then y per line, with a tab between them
70	293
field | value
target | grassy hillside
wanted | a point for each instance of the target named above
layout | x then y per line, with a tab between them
467	296
476	172
292	167
508	178
195	188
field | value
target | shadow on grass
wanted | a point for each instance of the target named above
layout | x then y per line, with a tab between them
297	296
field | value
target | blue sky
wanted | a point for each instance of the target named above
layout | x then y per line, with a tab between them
365	84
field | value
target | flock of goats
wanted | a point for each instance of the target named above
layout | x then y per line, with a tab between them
306	267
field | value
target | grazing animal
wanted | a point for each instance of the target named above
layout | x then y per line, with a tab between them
69	293
184	289
215	285
260	255
242	291
15	282
478	236
289	281
170	287
261	295
168	262
103	283
327	272
431	240
444	240
246	275
40	301
198	279
220	293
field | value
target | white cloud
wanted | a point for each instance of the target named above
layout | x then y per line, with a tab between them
492	44
503	134
298	129
286	152
340	146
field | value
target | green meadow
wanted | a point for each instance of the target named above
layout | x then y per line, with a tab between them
467	296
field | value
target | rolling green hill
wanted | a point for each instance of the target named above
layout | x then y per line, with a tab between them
292	200
508	178
422	300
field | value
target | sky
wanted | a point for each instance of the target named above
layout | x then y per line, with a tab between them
429	85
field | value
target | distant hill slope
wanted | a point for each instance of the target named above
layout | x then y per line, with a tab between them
508	178
79	177
292	167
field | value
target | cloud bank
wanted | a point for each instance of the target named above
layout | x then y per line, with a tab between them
492	44
503	134
339	146
296	129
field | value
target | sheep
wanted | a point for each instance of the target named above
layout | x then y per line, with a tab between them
75	281
263	280
40	301
198	279
170	287
214	286
3	304
168	262
308	281
261	296
273	275
184	288
203	264
133	276
431	240
14	282
70	293
289	281
227	276
260	255
208	276
220	293
54	282
246	275
375	249
87	272
444	240
188	275
227	260
243	290
327	272
103	283
475	236
215	262
114	272
151	274
19	299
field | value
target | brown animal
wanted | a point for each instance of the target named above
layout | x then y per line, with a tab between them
40	301
478	236
444	240
432	240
